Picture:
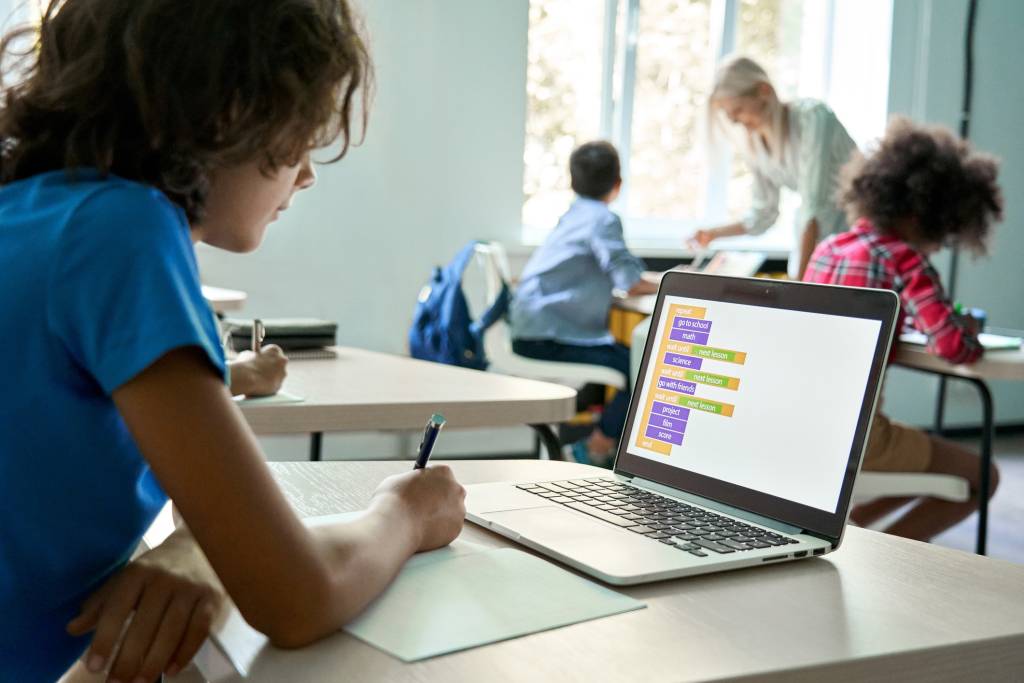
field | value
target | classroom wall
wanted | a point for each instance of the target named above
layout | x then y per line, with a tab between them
926	83
442	164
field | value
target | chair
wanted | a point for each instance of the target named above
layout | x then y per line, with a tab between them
493	264
872	485
869	485
483	287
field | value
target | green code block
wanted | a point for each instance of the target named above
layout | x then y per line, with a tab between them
701	404
714	354
712	379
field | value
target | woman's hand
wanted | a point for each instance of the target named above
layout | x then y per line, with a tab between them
434	502
259	374
702	238
153	615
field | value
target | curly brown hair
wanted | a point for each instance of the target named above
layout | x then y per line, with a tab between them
927	175
164	91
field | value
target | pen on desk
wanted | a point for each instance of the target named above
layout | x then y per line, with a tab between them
258	333
434	425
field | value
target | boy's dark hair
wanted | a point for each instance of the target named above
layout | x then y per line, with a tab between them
928	174
164	91
594	169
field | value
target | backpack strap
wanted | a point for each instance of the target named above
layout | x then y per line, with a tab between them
462	259
496	311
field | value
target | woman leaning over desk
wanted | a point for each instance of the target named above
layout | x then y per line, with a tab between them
798	144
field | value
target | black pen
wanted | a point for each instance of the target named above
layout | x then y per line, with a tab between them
434	425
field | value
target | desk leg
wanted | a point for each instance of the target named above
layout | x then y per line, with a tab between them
985	486
546	435
987	431
940	406
316	440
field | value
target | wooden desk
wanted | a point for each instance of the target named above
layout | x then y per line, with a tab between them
626	313
223	300
881	608
368	391
994	365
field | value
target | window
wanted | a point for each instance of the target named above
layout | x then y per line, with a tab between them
638	72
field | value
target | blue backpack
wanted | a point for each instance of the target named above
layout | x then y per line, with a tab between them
442	330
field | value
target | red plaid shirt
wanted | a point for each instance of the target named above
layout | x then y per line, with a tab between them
864	257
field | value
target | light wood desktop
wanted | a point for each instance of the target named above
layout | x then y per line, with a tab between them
880	608
368	391
224	300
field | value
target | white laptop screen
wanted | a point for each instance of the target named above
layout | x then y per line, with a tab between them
760	397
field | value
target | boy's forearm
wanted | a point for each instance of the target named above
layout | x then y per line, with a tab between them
362	557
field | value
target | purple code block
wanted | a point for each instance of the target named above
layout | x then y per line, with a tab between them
677	385
672	423
664	435
692	324
688	336
681	361
659	408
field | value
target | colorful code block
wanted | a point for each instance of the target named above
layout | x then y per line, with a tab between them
659	447
689	336
675	424
665	435
711	379
668	410
685	311
677	385
682	361
707	406
691	324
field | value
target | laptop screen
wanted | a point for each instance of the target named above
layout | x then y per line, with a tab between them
765	398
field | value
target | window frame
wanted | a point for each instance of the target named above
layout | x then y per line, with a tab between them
616	123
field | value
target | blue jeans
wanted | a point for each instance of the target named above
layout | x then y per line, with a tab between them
614	356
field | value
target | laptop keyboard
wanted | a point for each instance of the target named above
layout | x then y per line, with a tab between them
692	529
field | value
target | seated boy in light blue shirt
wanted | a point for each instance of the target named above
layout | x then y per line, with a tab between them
560	308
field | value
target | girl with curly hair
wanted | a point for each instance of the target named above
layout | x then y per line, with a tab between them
921	189
129	131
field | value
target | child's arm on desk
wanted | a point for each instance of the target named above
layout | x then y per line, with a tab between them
647	284
292	584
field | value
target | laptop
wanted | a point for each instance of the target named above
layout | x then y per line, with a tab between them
744	436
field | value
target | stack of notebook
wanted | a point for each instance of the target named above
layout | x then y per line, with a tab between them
297	337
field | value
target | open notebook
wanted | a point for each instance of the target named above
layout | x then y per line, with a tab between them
448	600
990	342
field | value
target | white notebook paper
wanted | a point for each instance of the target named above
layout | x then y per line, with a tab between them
452	599
279	397
990	342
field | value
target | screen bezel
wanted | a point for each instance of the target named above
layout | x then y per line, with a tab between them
852	302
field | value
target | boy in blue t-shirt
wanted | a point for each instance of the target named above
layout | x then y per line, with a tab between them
560	308
133	130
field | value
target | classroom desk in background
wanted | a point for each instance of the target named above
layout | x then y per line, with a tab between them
994	365
368	391
880	608
224	300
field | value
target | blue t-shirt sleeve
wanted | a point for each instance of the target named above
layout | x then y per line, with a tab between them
609	248
124	287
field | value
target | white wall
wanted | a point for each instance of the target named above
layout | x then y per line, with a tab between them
442	164
926	83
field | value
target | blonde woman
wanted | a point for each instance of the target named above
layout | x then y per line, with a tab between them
798	144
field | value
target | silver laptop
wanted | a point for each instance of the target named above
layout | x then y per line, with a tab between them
744	436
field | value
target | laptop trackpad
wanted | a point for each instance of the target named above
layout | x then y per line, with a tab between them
574	535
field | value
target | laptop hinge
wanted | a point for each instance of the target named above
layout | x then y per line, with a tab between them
781	527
